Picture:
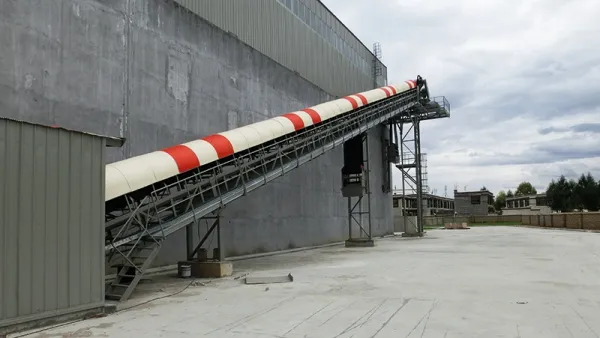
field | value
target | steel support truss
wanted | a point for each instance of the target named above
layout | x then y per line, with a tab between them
406	131
408	136
148	215
213	225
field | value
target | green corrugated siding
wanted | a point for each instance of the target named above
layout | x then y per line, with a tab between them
269	27
51	221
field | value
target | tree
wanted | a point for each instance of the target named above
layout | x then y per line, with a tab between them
524	189
561	194
551	195
587	194
572	201
510	194
598	191
500	201
567	195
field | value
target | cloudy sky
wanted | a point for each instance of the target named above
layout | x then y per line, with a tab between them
522	77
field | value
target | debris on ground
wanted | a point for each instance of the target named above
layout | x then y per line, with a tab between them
456	226
199	283
269	279
241	276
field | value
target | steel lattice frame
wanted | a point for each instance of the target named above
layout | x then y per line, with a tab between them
215	218
410	168
407	132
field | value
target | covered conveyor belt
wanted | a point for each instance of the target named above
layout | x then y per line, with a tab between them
151	196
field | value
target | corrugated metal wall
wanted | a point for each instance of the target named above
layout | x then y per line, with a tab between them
51	221
302	35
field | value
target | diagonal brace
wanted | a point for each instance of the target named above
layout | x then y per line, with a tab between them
215	224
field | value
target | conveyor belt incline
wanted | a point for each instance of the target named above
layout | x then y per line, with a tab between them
151	196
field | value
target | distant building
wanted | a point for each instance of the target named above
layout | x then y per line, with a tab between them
526	205
432	205
472	203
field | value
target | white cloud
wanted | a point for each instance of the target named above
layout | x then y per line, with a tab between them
522	76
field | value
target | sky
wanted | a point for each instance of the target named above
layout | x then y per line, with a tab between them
522	78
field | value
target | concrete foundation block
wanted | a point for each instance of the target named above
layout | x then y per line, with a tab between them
110	308
456	226
360	243
215	269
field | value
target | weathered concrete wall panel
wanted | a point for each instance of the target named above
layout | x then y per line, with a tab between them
62	63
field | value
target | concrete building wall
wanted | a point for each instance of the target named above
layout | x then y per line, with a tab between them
158	75
464	206
51	222
530	210
432	205
526	205
402	222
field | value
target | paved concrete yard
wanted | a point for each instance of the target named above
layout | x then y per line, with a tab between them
483	282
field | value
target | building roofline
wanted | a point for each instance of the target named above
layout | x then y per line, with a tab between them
486	192
349	30
424	195
525	196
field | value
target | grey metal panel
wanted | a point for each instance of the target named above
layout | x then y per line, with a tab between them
269	27
51	221
11	226
3	229
37	243
52	212
63	230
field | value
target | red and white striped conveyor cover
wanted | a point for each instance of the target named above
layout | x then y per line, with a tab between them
137	172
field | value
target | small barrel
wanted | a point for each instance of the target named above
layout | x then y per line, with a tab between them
185	271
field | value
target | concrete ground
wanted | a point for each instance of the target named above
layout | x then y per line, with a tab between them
482	282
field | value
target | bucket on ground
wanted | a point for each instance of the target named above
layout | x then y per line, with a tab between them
185	271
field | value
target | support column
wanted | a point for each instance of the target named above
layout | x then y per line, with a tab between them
419	175
409	137
219	252
189	238
355	187
368	185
